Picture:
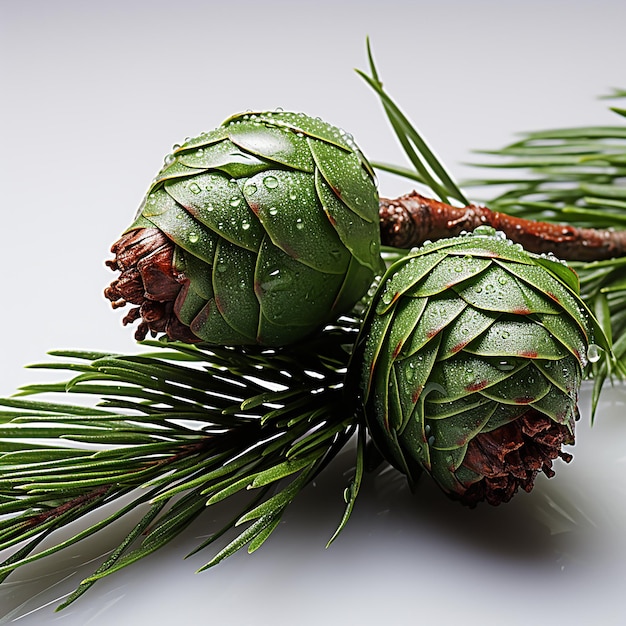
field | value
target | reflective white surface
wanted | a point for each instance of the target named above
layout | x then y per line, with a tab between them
555	554
94	95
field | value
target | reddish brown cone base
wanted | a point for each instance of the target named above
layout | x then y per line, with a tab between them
145	259
511	457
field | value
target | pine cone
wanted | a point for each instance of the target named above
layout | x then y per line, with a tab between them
260	231
471	359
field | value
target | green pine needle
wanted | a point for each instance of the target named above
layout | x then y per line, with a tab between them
177	429
428	169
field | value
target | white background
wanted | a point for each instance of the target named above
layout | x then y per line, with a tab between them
93	96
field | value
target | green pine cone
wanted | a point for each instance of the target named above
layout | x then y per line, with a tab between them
260	231
471	359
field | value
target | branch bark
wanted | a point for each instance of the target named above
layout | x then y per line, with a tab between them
410	220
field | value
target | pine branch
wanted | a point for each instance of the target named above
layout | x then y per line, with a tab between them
191	426
194	426
568	199
577	165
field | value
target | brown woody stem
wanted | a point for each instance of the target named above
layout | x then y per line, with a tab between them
61	509
412	219
98	493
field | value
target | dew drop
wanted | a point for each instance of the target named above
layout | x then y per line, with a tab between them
195	188
250	189
299	224
273	211
593	353
484	231
335	253
245	225
271	182
505	366
193	237
235	201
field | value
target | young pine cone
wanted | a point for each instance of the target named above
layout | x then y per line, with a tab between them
470	359
260	231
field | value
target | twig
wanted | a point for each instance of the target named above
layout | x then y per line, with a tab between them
412	219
